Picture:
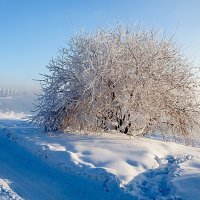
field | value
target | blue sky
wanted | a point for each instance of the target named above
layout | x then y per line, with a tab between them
31	31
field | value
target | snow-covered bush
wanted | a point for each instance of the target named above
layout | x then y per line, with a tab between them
124	78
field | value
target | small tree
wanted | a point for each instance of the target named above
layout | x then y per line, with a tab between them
123	78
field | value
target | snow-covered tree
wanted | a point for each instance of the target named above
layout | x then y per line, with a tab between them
124	78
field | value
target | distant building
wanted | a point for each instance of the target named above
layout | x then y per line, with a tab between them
8	93
1	92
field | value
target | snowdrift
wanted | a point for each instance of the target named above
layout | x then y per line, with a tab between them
140	167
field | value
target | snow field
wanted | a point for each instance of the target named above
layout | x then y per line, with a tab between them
142	167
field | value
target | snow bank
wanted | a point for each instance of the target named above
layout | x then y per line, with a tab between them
142	167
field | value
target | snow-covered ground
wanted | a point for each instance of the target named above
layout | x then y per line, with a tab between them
108	166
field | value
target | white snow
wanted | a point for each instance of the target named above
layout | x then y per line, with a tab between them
12	115
105	166
187	184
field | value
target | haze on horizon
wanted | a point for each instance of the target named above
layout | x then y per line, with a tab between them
32	31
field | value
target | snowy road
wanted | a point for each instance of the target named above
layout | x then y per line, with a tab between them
30	178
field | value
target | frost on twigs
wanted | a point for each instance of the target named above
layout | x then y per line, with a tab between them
127	79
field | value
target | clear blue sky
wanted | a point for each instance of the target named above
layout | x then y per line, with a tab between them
31	31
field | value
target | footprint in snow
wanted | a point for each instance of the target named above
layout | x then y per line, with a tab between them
156	183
